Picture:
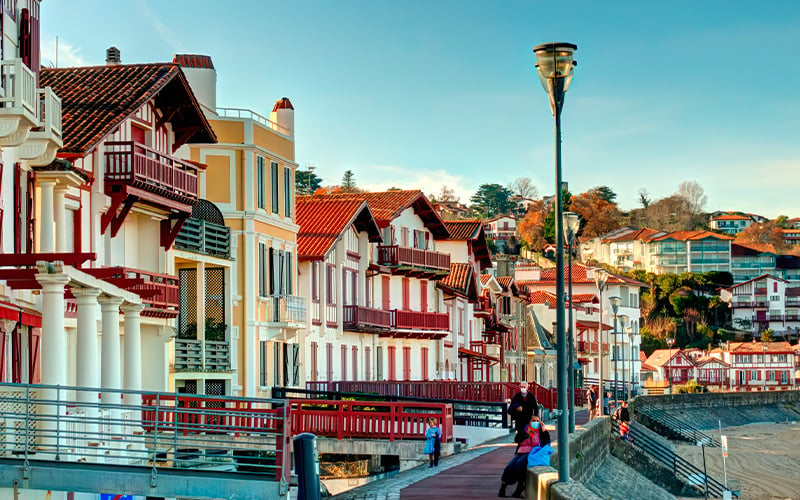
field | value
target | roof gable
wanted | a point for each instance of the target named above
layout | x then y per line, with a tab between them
322	223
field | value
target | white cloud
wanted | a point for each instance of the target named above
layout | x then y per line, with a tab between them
68	54
383	177
162	29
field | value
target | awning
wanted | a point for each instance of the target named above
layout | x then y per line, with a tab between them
13	312
476	354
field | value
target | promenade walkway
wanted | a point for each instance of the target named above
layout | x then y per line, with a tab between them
470	475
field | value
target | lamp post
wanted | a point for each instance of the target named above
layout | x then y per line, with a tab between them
600	279
623	320
554	63
764	359
615	302
571	224
670	341
630	362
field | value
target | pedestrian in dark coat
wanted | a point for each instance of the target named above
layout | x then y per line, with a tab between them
591	398
523	406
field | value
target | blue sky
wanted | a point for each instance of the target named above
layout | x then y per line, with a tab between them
423	93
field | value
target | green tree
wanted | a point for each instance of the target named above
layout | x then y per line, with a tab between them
349	182
491	200
605	193
767	335
306	182
550	220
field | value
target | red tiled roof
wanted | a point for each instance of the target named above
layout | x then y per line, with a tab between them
594	325
458	279
662	356
386	205
704	360
580	275
758	347
542	297
742	249
731	217
580	298
463	229
505	282
96	99
485	278
640	234
323	221
691	236
193	61
283	103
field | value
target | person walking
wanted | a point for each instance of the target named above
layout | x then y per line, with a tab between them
607	403
523	406
433	439
591	398
623	416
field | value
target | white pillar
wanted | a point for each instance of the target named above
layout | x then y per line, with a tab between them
86	360
110	379
133	348
53	351
60	215
46	244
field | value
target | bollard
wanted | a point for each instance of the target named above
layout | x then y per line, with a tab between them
306	466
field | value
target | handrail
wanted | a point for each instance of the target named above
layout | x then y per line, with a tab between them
677	425
679	465
252	115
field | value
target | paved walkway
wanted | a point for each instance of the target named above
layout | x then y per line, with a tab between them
472	474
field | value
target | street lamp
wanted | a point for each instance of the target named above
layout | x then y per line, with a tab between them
601	280
571	224
615	302
554	63
630	362
764	359
670	341
623	320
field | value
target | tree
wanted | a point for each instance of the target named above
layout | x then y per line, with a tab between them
523	186
767	335
694	195
492	199
666	214
531	227
306	182
644	198
550	220
598	216
446	195
763	233
349	182
605	193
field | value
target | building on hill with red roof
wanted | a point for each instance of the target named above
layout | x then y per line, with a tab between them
732	223
764	302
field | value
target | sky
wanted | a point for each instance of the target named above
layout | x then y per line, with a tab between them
425	93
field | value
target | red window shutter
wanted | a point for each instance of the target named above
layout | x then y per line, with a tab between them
18	215
344	362
329	361
355	362
77	246
775	287
314	348
423	296
758	375
29	212
406	363
391	353
25	37
427	241
424	363
406	294
16	355
34	366
386	293
367	363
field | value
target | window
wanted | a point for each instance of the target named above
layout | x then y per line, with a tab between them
424	357
771	374
784	377
315	281
329	361
355	362
388	235
314	353
276	359
344	362
262	362
287	192
330	293
263	286
288	274
404	236
753	374
261	182
406	363
420	240
274	174
367	363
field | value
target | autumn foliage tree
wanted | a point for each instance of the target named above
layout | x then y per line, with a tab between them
598	216
531	227
764	233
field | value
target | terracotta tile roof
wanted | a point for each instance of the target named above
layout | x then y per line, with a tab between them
580	274
661	356
742	249
732	217
592	325
193	61
704	360
642	356
458	279
96	99
647	368
283	103
505	282
763	276
640	234
580	298
485	278
322	222
386	205
542	297
691	236
463	229
757	347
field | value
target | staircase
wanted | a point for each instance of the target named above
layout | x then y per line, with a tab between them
681	468
666	424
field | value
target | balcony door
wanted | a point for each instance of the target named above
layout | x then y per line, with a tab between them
138	135
385	292
423	296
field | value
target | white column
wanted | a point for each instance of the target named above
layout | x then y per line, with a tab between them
133	349
60	209
53	349
86	360
46	244
200	302
110	378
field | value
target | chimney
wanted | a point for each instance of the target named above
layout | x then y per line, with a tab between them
202	76
283	115
113	56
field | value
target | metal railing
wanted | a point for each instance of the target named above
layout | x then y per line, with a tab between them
252	115
19	88
680	467
136	428
676	426
289	309
204	237
197	355
470	413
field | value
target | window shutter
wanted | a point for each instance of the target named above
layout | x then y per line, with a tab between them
34	365
295	365
281	273
355	362
391	353
314	363
16	355
271	266
329	361
289	273
287	366
367	364
406	363
262	369
343	361
25	37
18	215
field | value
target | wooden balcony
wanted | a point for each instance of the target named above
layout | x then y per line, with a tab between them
19	103
44	141
396	323
159	292
204	237
414	262
584	346
153	177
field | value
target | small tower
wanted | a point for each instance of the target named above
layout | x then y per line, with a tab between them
283	115
113	56
202	76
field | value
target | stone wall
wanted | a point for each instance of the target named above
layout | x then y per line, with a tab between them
717	399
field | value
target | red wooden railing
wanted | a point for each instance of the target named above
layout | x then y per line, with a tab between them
395	255
159	292
584	346
128	162
357	317
414	320
369	419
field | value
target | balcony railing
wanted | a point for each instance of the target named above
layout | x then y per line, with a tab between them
395	255
130	163
159	292
252	115
286	309
364	318
584	346
743	303
204	237
189	356
19	88
413	320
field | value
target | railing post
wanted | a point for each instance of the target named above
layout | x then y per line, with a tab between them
58	422
26	467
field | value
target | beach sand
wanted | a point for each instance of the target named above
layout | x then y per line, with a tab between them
764	457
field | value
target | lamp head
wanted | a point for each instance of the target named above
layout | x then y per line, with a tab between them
623	320
600	278
615	302
554	63
670	341
572	222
